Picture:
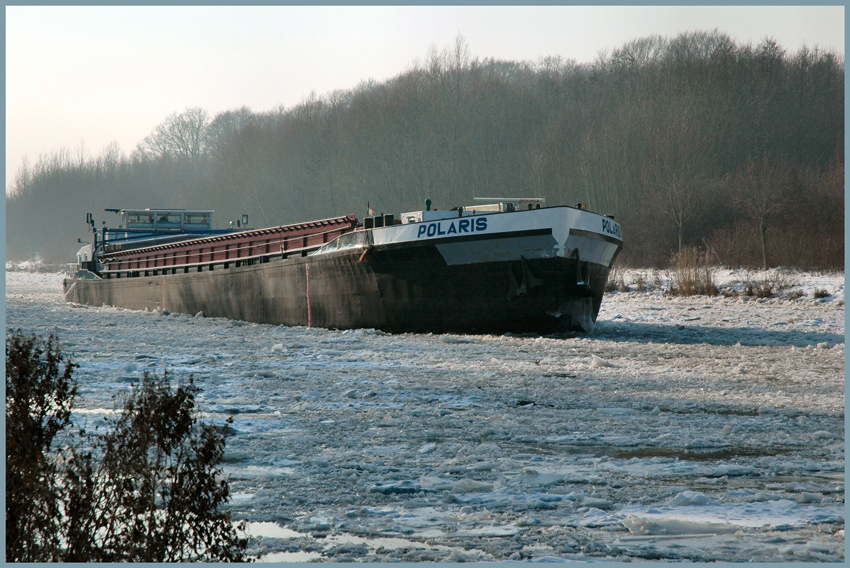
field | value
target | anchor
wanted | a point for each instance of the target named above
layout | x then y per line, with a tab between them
529	280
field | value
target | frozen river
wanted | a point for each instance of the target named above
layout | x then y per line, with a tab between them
701	429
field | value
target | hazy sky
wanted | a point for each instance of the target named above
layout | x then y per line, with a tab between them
82	77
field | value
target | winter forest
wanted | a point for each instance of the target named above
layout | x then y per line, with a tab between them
689	141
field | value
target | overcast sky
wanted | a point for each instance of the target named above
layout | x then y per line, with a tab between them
87	76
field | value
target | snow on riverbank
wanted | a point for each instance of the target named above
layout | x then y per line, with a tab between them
681	428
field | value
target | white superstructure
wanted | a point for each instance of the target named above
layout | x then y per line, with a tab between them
499	231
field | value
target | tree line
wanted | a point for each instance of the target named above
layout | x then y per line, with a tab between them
694	140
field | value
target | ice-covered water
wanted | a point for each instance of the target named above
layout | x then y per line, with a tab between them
698	428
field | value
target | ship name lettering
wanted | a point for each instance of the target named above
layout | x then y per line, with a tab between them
611	228
454	227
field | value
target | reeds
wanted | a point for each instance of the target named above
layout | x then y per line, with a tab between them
691	273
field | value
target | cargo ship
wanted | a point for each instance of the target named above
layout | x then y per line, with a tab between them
499	265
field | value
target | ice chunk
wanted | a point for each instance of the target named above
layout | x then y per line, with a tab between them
598	363
471	486
595	517
806	497
690	498
485	466
404	486
542	480
818	547
435	483
455	340
597	502
487	447
640	526
317	461
318	523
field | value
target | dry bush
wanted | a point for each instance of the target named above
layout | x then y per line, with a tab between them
758	289
150	489
769	285
646	281
691	273
615	281
40	389
656	280
820	293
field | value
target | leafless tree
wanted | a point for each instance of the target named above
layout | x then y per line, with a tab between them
178	136
762	191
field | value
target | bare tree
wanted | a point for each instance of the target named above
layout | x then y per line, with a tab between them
674	176
225	127
23	178
762	191
179	136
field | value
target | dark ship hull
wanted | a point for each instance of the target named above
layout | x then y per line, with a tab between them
505	277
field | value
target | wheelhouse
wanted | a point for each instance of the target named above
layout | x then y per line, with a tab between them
166	219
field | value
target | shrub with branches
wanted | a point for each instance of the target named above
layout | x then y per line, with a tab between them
149	489
768	285
39	396
691	273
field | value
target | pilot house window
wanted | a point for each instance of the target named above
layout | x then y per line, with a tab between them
168	220
139	219
197	218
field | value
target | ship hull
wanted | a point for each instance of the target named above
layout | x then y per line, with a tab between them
532	271
391	290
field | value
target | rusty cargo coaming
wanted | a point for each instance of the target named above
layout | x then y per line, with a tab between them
237	247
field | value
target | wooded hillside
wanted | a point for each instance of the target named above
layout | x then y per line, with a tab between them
692	140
